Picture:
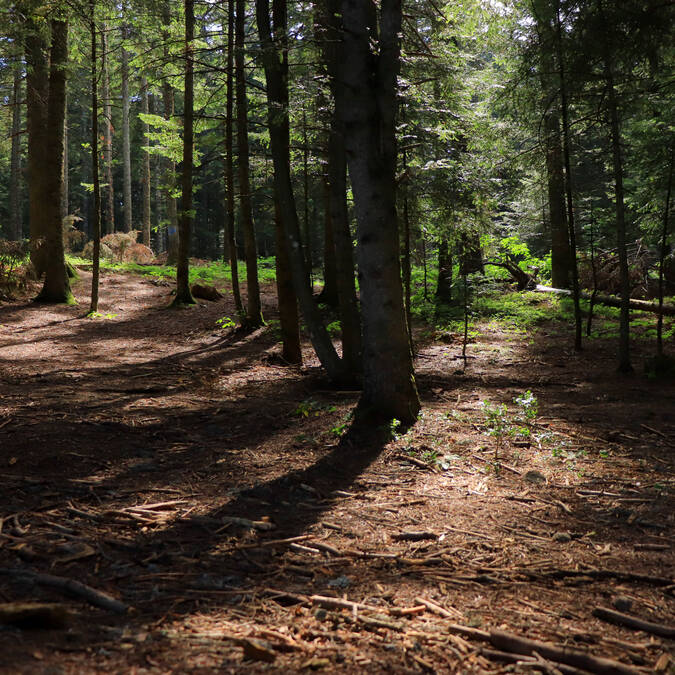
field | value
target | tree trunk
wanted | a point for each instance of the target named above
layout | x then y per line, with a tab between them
568	184
561	271
183	294
147	185
96	220
127	224
253	308
444	282
64	177
169	166
365	91
329	292
107	135
56	286
37	92
229	164
617	168
288	303
350	316
664	251
275	60
15	219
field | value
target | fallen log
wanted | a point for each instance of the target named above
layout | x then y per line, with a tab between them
634	622
612	301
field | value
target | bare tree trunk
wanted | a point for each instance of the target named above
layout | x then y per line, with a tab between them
15	219
56	286
107	135
664	250
37	93
183	293
444	282
329	292
96	221
365	92
253	307
147	185
64	178
229	164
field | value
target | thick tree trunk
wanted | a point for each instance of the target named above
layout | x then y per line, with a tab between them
183	294
56	286
15	219
229	164
107	135
96	220
275	60
37	93
366	105
127	224
147	185
253	308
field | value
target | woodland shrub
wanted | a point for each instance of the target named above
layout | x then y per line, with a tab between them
121	247
13	255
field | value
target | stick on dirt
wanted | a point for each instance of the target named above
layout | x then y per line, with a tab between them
630	621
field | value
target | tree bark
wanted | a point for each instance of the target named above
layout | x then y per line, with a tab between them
183	294
147	185
229	164
329	292
275	60
15	219
37	93
366	105
253	307
56	286
65	176
444	282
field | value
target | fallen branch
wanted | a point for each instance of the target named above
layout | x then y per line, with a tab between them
76	588
612	301
507	657
437	609
621	619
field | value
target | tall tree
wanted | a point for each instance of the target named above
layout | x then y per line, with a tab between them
229	164
183	293
56	286
107	135
146	180
15	218
365	92
127	224
253	307
96	220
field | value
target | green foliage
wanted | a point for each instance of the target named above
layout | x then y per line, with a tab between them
225	322
311	408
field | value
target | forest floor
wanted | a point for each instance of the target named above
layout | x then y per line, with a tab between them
180	469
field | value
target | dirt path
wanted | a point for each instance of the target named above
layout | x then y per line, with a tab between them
180	469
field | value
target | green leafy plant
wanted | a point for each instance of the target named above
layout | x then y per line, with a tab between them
226	322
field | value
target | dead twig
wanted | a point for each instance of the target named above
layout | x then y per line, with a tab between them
630	621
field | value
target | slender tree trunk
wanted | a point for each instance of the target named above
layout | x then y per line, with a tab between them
107	135
183	294
253	307
366	105
350	317
568	187
664	251
275	60
37	93
15	219
407	267
617	167
127	224
305	194
56	286
444	282
169	166
288	303
329	293
229	164
96	220
147	185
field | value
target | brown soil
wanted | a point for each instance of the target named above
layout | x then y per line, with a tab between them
131	444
